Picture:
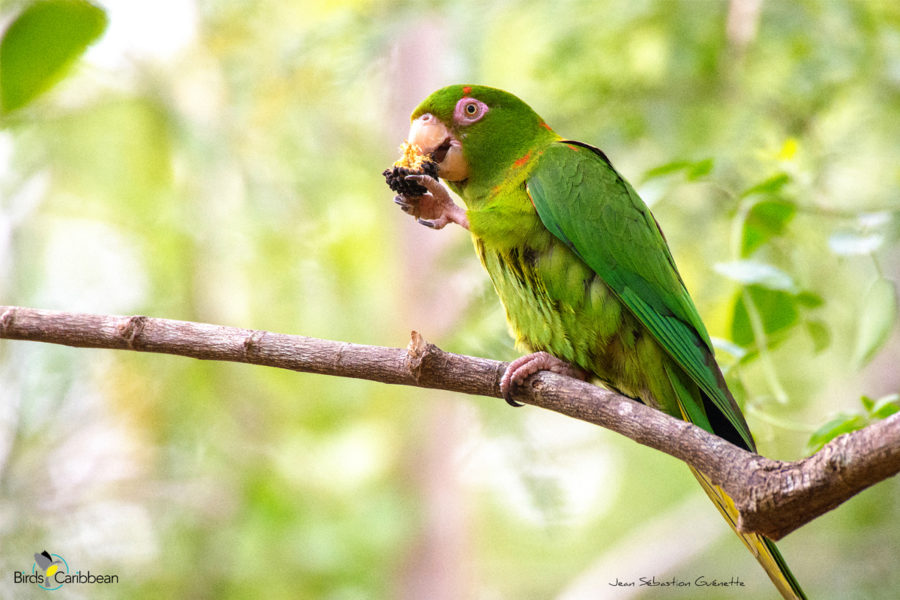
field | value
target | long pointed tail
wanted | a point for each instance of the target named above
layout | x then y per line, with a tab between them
761	547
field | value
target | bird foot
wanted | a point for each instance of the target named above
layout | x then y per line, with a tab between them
525	366
435	208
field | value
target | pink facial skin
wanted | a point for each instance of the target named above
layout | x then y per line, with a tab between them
469	110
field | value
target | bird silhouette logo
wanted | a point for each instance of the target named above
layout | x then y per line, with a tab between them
50	564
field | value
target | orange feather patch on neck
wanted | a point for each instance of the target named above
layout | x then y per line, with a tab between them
521	161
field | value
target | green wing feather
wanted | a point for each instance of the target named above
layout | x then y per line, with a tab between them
585	203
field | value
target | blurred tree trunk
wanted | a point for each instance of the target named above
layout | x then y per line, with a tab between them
436	566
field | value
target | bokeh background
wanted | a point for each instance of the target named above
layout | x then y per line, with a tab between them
220	160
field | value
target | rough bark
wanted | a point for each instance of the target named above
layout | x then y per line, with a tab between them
774	498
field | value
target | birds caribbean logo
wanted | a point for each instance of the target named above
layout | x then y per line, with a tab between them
50	564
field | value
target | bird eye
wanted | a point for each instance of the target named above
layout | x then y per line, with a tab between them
469	110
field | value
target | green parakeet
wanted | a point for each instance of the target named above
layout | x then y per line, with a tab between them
585	275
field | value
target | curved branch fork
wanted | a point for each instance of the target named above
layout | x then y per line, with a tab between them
780	497
773	498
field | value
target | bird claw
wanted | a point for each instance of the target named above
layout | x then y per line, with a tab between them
525	366
428	182
435	208
403	204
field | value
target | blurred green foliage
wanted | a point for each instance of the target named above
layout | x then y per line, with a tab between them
220	161
872	410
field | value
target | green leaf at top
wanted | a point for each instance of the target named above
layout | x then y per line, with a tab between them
41	43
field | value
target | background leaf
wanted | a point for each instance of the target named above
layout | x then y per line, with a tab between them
700	169
819	333
752	272
768	186
851	243
41	43
764	221
873	410
810	299
885	407
692	170
667	169
840	425
877	316
777	310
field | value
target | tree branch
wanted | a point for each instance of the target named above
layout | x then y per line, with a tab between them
774	498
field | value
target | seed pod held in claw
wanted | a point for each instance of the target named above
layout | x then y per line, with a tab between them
411	162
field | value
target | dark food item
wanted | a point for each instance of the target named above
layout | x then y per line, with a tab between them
396	178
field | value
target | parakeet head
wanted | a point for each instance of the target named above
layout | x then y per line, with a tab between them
474	132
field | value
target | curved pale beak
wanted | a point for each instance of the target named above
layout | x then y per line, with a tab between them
435	140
